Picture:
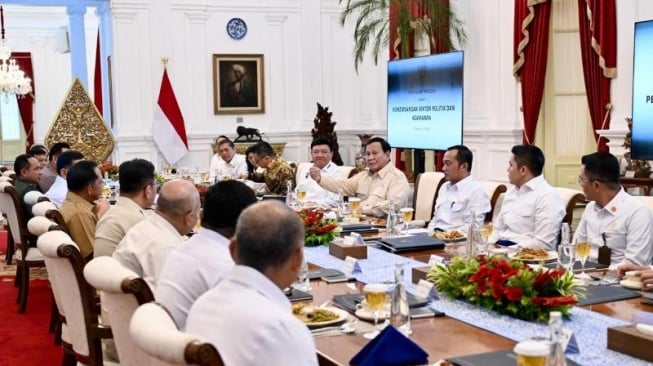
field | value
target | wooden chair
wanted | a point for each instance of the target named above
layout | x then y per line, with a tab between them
122	292
427	186
155	332
78	298
39	225
493	190
570	198
18	241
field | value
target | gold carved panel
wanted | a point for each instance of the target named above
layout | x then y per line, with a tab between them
80	124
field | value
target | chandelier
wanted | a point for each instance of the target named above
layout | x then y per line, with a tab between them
12	78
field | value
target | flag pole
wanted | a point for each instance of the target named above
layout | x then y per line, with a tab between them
164	61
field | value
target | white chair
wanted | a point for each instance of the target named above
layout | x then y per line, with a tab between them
427	186
570	198
648	201
155	332
9	173
493	190
41	208
32	197
18	242
122	291
78	299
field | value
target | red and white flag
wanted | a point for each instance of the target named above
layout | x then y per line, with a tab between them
169	129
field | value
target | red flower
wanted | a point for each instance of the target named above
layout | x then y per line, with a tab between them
514	293
555	301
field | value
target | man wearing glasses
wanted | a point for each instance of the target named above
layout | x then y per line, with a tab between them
613	217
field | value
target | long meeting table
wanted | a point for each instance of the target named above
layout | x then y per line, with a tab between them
440	337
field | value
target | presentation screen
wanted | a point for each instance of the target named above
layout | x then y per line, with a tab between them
425	101
642	138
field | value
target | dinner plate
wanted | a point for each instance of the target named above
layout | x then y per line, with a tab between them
632	285
552	256
342	316
368	315
440	235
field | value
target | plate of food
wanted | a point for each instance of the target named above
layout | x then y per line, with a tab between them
631	284
450	236
533	255
315	317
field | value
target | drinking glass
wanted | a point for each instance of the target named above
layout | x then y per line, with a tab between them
301	196
566	257
204	176
582	252
302	282
354	206
375	298
406	216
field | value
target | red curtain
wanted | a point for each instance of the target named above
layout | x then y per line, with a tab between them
26	102
598	42
531	42
97	77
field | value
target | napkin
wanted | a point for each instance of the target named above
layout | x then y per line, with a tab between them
390	348
505	242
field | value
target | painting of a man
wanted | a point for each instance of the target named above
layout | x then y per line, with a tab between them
239	90
238	84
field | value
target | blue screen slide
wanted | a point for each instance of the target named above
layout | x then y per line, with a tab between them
642	141
425	101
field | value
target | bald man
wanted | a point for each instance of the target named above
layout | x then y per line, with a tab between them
147	244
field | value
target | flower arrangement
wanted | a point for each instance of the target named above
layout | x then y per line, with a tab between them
508	287
318	229
109	169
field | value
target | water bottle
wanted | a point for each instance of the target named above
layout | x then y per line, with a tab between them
399	310
289	202
473	234
341	203
557	353
565	234
390	221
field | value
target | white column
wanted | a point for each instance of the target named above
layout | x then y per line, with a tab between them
78	43
103	13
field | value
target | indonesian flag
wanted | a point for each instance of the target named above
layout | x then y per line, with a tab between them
168	129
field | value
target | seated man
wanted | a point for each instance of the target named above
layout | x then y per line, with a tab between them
40	152
247	316
58	191
377	186
460	194
254	172
147	244
82	206
230	164
321	155
613	217
215	159
50	172
199	263
28	172
277	171
532	211
137	193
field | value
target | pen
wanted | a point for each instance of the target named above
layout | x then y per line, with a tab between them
452	203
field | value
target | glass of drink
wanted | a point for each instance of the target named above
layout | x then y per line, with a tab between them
301	196
486	231
406	216
582	252
204	176
566	256
302	282
532	353
106	191
375	297
354	206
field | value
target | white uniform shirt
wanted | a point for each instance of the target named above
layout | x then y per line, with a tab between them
249	319
191	269
315	193
235	167
146	246
530	215
628	228
58	191
456	202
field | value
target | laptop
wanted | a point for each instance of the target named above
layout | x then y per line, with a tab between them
412	242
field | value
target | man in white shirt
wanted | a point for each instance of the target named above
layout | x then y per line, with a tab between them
229	163
247	316
50	171
137	193
59	189
199	263
147	244
460	194
321	154
613	217
377	186
532	211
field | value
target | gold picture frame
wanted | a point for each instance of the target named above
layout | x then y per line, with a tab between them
238	84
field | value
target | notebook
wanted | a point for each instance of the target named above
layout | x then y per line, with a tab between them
498	358
412	242
601	294
358	228
349	301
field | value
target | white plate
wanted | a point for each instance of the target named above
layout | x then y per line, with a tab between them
551	257
633	285
342	316
369	315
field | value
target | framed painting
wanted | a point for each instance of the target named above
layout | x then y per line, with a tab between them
238	84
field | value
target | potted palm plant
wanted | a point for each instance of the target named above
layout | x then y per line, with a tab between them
435	19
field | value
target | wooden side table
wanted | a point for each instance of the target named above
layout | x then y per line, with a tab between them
644	183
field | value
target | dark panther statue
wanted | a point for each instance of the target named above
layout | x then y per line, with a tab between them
246	134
